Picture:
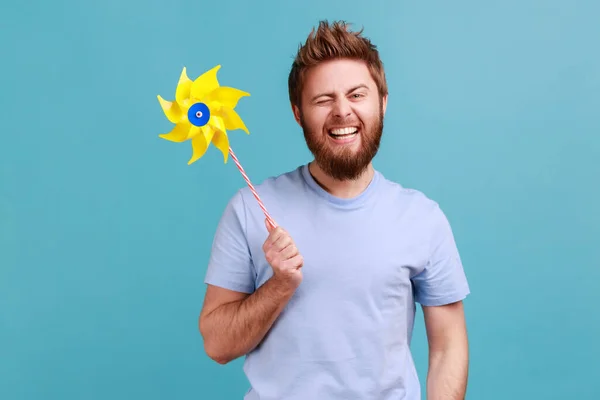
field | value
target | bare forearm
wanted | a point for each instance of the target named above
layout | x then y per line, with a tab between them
448	372
234	329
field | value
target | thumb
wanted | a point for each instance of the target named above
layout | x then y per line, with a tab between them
268	225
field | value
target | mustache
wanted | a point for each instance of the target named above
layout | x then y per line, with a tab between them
339	121
342	124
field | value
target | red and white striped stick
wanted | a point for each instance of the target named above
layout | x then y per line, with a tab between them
260	203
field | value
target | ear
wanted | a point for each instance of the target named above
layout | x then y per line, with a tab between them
296	112
384	103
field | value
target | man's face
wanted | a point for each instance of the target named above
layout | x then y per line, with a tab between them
342	117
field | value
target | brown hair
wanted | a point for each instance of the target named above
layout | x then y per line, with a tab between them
332	41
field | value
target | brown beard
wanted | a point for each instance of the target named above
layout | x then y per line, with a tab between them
345	164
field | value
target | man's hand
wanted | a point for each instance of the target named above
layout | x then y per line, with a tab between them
233	324
283	257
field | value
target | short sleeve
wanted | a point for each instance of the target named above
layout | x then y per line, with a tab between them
230	263
443	280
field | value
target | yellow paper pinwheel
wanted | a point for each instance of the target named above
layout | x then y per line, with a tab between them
203	112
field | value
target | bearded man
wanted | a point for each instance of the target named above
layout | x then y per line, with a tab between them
322	306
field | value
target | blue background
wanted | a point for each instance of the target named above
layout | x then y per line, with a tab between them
105	231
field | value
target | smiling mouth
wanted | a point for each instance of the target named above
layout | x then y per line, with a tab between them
343	133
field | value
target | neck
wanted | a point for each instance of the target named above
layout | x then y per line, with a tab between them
343	189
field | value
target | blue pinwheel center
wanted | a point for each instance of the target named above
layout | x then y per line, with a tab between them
199	114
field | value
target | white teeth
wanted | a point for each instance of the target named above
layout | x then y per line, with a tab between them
344	131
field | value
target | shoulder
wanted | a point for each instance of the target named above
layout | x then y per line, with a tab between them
413	209
421	215
407	198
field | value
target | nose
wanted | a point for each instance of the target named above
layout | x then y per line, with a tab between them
342	108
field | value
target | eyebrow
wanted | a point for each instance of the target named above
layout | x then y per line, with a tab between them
330	94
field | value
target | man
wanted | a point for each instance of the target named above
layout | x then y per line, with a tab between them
323	305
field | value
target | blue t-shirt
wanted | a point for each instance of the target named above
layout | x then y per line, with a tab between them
346	332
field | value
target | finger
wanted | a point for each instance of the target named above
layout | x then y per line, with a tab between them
288	252
273	237
270	256
276	234
271	223
279	239
278	256
274	249
269	226
281	243
295	262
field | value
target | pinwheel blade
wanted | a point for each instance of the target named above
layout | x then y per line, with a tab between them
221	142
232	120
226	96
178	134
182	93
205	83
171	109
